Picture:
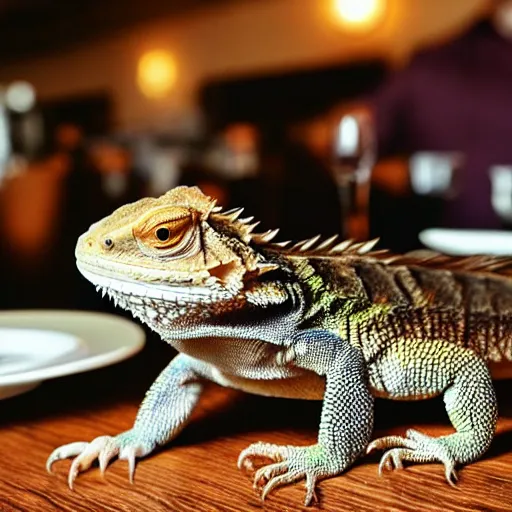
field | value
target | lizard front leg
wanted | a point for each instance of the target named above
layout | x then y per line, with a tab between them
164	412
346	422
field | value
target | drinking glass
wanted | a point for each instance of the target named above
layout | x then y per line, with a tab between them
435	174
501	191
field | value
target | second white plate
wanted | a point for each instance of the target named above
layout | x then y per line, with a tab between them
466	242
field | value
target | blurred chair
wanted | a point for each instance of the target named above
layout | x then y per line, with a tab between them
29	209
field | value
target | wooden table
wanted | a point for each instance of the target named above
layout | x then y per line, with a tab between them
198	472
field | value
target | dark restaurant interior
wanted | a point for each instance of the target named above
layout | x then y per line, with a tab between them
386	119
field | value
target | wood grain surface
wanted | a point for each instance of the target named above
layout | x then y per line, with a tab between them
198	471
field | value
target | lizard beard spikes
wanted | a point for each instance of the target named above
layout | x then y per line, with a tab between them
162	307
156	313
159	305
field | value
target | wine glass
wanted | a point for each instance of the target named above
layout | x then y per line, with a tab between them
354	156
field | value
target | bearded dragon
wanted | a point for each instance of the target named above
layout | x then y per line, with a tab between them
317	319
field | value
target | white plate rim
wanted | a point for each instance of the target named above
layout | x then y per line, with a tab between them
81	364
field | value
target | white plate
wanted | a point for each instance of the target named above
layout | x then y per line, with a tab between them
465	242
26	349
108	339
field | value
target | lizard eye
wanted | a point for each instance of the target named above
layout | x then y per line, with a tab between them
170	234
170	231
163	234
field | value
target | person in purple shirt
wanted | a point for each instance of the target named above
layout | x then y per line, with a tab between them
456	97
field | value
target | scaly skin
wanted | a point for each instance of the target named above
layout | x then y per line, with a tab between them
315	320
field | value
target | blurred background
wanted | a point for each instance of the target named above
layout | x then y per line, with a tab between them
361	117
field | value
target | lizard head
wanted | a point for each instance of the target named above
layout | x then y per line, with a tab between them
164	257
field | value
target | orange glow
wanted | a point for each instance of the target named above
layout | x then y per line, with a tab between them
156	74
359	14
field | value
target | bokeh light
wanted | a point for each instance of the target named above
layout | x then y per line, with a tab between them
156	74
20	96
362	14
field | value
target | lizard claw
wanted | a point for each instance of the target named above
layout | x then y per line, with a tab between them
103	449
266	473
415	447
106	455
261	450
129	453
63	452
291	463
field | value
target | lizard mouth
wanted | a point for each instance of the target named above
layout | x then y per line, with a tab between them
178	293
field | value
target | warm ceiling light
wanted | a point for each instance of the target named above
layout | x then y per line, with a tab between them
359	13
156	74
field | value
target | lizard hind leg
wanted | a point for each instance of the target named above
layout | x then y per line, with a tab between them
471	406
